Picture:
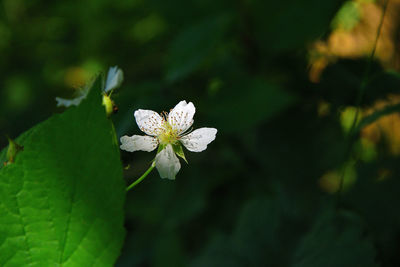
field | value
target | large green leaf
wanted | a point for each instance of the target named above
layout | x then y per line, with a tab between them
61	202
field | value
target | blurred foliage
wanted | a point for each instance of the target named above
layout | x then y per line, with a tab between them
337	240
278	79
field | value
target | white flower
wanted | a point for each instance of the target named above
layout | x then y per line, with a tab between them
168	131
114	79
82	94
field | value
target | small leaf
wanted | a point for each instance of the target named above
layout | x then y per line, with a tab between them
161	147
13	149
179	151
347	17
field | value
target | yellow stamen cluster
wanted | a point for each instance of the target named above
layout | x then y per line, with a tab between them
170	134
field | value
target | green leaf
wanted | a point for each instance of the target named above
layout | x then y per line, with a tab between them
13	149
179	151
261	100
219	252
193	45
255	240
377	115
168	250
161	147
336	240
376	196
348	16
61	202
285	25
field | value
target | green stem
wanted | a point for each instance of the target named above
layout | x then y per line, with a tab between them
360	96
141	178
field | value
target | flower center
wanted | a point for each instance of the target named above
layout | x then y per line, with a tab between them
169	135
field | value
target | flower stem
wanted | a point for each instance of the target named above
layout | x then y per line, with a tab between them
364	82
141	178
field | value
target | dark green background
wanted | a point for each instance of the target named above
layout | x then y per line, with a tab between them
252	198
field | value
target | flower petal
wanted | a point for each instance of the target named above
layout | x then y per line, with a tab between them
167	163
198	140
181	116
138	142
115	77
82	94
63	102
149	122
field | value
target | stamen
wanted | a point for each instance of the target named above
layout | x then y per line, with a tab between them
164	116
186	132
